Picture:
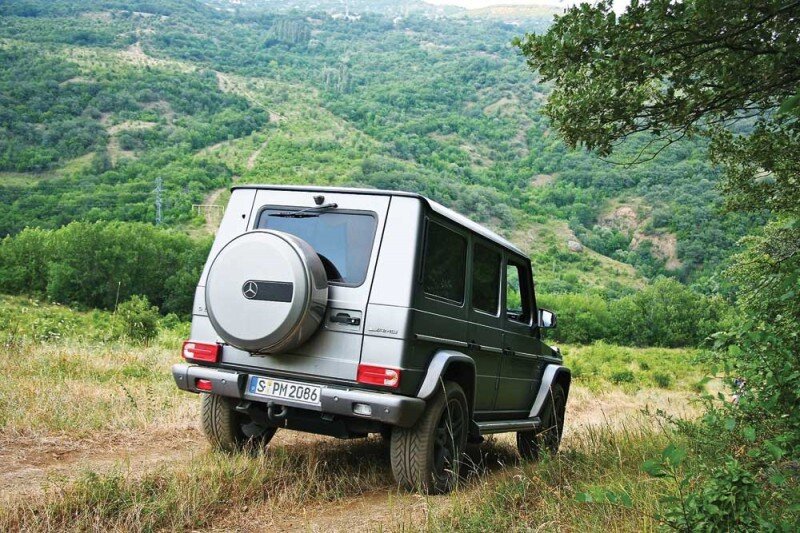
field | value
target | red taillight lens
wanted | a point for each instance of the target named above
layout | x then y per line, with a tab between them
378	375
203	384
200	351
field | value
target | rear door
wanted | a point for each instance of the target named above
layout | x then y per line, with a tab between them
347	238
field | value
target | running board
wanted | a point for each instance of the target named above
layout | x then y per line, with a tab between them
507	426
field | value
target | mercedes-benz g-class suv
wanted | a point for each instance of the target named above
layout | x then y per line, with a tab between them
346	312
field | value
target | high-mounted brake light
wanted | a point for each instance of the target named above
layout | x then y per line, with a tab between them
201	351
378	375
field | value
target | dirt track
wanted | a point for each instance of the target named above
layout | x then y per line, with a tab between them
33	463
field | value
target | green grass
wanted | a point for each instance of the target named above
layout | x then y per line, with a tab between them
600	366
543	496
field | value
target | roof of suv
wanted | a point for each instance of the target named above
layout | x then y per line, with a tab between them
435	207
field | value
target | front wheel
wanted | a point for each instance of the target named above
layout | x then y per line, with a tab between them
548	436
427	457
229	430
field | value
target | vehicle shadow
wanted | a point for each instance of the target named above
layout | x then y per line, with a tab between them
366	462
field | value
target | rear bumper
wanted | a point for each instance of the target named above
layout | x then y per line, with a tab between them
387	408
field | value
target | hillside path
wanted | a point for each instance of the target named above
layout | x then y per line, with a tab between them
35	463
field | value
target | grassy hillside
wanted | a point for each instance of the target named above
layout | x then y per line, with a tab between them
102	99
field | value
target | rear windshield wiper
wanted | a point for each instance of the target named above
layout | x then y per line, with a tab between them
304	213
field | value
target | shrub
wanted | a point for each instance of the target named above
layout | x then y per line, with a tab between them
622	376
582	318
87	264
662	379
665	313
139	319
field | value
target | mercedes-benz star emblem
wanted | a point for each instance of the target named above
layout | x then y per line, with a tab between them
250	289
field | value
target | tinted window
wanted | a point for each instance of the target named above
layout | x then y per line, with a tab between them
486	279
445	263
343	241
518	301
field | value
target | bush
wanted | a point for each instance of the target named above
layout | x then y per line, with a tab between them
139	319
622	376
665	313
582	318
86	264
662	379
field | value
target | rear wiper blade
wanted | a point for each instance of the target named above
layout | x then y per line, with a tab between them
304	213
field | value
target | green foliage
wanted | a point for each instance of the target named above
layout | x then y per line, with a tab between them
582	318
100	100
762	345
617	76
96	264
662	379
601	366
139	319
665	313
723	498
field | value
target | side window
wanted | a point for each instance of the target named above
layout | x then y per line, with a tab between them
518	300
486	279
445	265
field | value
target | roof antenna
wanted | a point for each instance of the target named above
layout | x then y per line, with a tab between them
319	199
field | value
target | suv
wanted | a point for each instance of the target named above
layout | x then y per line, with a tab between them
346	312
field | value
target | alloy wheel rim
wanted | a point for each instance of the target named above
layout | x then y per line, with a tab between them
447	439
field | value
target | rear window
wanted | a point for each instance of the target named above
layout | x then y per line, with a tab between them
343	240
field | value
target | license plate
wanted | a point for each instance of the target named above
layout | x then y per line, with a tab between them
286	390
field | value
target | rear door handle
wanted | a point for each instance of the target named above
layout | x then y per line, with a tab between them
344	318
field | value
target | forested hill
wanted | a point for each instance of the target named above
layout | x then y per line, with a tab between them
100	101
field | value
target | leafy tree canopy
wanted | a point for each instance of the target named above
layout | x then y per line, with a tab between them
728	70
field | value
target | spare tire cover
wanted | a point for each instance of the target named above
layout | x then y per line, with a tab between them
266	291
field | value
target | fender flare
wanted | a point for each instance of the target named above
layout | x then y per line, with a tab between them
551	373
441	360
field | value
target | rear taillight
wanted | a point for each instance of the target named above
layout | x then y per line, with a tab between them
203	384
378	375
201	351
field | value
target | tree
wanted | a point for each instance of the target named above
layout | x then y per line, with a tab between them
726	70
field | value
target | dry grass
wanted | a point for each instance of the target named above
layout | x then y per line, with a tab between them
542	496
191	493
58	388
95	436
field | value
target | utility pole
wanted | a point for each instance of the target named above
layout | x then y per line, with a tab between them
158	200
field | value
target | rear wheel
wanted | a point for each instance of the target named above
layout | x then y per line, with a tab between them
427	457
229	430
548	436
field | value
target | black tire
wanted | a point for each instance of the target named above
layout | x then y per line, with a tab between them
227	429
428	456
548	436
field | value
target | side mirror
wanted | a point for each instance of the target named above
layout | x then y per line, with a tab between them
547	319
